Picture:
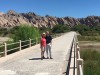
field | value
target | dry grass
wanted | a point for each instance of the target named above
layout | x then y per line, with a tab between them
89	45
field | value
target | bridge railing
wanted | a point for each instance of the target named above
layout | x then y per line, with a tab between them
19	46
75	63
79	60
69	56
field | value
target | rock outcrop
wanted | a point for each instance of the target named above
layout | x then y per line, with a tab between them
12	18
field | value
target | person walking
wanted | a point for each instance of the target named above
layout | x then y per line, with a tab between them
48	45
43	45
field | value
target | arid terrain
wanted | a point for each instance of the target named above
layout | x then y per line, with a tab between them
84	45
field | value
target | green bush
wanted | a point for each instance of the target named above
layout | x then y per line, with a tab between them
89	54
9	47
24	32
80	28
44	29
91	68
90	33
91	62
86	30
60	29
4	32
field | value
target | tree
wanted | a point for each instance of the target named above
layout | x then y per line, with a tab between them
24	32
60	29
80	28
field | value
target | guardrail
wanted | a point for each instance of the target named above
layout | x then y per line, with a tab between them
5	47
69	58
79	61
75	63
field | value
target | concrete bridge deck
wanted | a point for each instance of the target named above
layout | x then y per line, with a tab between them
28	62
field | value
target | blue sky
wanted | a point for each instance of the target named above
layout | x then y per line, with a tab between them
58	8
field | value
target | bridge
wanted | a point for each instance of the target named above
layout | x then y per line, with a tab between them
66	59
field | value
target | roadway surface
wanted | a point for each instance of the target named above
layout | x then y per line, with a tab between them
28	61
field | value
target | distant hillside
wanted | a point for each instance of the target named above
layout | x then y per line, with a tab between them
12	18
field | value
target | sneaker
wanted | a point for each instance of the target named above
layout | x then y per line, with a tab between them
43	57
51	58
47	57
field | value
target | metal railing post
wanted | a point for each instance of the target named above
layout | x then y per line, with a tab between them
20	45
5	52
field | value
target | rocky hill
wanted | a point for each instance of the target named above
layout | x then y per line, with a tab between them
12	18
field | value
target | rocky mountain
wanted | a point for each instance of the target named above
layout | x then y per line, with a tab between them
12	18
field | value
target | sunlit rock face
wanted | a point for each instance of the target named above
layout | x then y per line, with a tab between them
12	18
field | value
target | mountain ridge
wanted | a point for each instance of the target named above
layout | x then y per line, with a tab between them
12	18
